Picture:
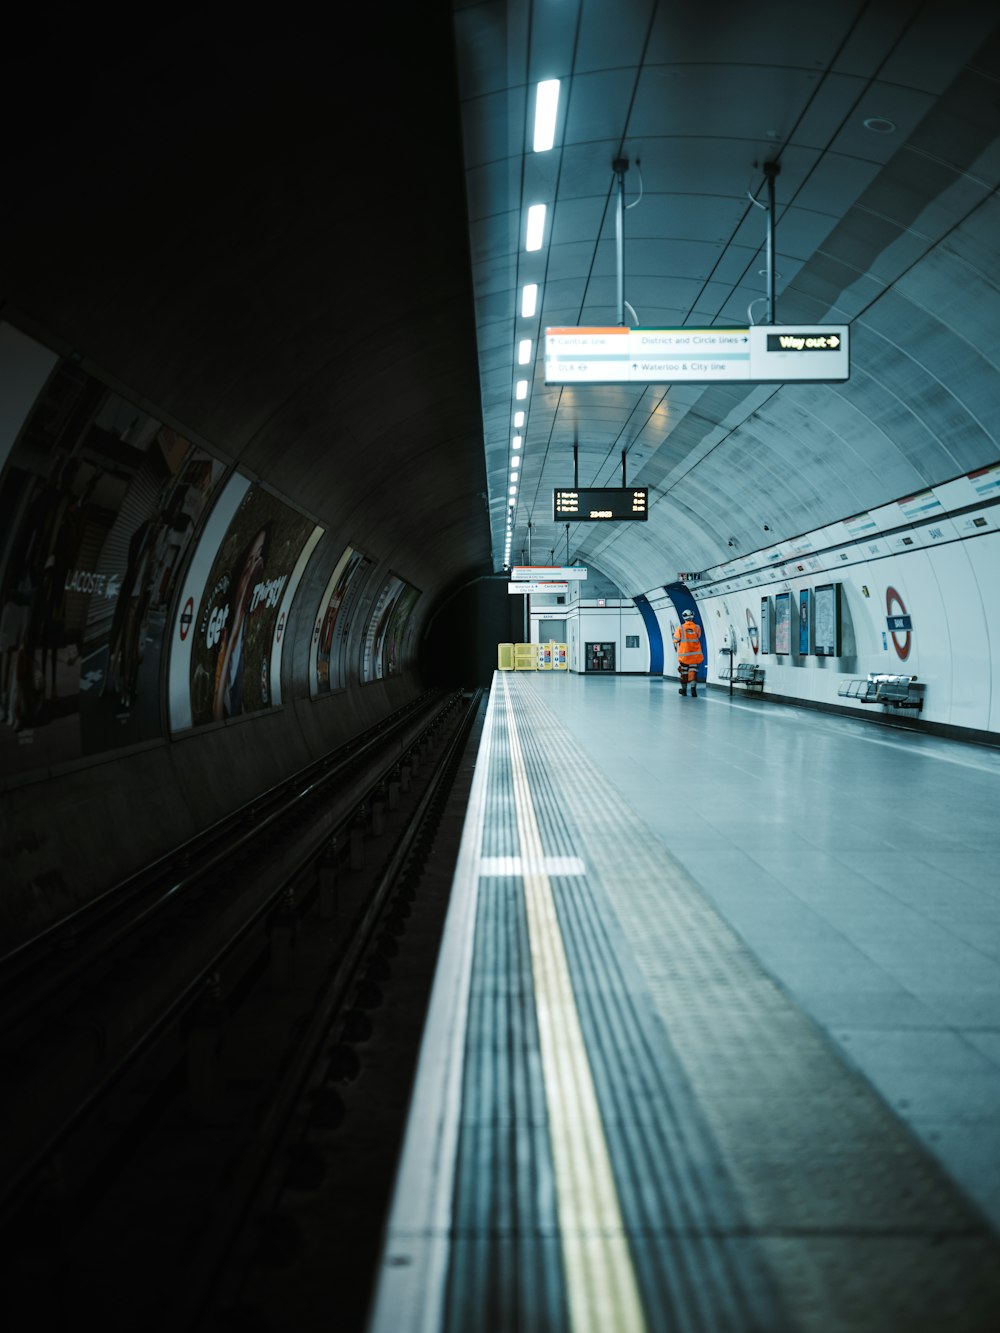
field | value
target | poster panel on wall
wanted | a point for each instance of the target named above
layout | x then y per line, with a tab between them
285	609
100	503
765	625
783	623
230	627
396	643
826	620
377	636
333	620
804	622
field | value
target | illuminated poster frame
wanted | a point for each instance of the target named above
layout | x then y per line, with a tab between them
826	620
783	624
333	620
372	662
765	625
285	609
804	620
396	640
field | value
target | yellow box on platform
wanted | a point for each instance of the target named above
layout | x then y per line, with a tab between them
560	659
525	656
505	657
545	657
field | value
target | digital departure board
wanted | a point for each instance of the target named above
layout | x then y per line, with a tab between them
600	504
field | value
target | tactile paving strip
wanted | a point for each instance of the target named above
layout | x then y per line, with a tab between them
695	1263
745	1150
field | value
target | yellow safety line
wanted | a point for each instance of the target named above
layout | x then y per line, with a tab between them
602	1291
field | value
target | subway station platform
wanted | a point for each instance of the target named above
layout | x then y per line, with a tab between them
714	1041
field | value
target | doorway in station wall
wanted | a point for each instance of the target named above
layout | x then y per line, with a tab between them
599	657
552	631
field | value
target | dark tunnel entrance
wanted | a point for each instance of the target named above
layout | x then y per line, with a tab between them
459	647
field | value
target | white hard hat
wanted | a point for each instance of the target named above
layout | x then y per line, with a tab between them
687	615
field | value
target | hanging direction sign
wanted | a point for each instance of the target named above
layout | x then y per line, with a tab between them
523	587
763	353
544	572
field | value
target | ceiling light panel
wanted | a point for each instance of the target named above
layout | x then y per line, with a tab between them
546	113
534	233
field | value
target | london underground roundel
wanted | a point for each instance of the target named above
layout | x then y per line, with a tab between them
187	615
894	607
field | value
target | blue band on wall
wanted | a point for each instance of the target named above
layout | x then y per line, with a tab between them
653	633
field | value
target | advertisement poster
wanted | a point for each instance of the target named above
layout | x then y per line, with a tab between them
231	621
765	625
783	623
396	642
826	625
99	504
285	610
388	620
334	621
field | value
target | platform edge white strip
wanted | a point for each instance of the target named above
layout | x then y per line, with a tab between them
409	1295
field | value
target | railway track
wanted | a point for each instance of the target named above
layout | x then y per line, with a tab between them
178	1059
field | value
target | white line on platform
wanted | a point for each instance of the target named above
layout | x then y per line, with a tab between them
499	866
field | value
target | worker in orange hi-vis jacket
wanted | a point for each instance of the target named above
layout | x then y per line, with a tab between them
687	641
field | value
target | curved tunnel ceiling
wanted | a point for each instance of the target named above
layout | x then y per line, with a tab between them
308	253
885	125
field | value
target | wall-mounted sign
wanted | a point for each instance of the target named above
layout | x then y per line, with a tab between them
600	504
817	353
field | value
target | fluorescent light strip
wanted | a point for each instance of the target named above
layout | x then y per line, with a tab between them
518	422
546	106
524	351
529	299
521	389
517	442
536	227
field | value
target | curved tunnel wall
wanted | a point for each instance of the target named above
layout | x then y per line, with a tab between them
120	565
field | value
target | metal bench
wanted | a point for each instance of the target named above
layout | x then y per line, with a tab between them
748	674
892	691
